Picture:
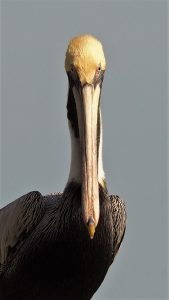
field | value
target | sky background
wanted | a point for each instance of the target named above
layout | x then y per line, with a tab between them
35	144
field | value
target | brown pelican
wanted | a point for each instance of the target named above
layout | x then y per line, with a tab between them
61	246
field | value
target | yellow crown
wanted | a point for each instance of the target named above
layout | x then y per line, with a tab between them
86	54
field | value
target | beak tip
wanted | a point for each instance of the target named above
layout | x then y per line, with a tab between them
91	227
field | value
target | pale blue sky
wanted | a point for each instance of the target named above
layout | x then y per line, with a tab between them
35	139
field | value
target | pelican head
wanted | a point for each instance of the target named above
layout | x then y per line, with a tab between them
85	65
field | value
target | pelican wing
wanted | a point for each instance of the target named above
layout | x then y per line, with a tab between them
119	222
17	221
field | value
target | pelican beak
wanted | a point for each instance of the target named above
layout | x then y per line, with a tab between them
87	103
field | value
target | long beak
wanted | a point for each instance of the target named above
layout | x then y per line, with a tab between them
87	103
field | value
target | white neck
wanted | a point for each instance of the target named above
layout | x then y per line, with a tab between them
76	164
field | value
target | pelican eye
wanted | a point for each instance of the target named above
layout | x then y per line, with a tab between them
73	75
72	69
98	71
98	78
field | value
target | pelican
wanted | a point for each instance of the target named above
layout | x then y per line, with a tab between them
61	246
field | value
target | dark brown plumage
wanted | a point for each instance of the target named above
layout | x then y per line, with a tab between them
52	256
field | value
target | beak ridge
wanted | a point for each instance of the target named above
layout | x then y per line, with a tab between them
87	102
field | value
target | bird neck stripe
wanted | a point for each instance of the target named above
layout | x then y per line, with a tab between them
72	112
